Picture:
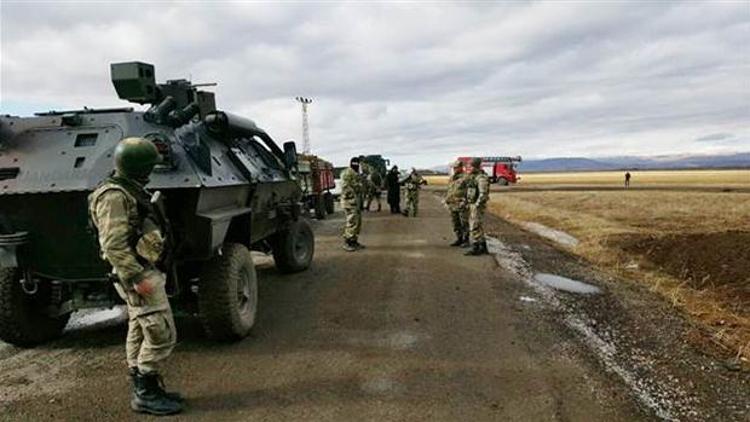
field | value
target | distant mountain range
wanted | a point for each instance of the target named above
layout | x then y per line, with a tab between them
632	163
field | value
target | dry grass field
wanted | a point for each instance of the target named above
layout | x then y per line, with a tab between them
652	178
727	178
692	247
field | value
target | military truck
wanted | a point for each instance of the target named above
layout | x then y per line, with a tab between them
315	176
377	163
226	187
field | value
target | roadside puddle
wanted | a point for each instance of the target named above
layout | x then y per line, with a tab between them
565	284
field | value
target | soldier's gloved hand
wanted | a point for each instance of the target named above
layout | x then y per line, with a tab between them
144	287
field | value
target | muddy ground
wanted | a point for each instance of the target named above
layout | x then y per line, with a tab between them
408	329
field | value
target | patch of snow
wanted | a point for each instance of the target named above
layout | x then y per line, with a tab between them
557	236
565	284
99	316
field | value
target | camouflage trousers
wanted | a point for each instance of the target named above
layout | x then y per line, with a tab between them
460	220
353	223
412	203
476	220
151	330
373	195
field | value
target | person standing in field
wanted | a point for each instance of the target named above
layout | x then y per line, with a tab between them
352	190
413	183
477	195
394	190
627	179
455	200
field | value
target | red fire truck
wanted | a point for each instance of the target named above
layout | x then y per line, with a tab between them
315	176
501	170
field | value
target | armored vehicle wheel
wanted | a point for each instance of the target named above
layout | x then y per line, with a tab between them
228	294
22	321
330	202
294	247
320	207
502	181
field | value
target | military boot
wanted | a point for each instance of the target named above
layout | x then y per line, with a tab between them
475	250
149	397
458	242
465	242
483	246
358	245
172	395
349	246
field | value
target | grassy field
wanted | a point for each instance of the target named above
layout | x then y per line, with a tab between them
693	178
691	247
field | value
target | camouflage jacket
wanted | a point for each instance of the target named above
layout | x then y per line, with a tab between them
129	237
414	182
376	182
352	188
477	188
455	197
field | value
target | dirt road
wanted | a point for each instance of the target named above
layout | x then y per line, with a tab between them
408	329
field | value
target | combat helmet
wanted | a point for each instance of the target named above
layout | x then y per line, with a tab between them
136	157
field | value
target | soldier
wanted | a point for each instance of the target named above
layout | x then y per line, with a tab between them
375	185
351	202
364	176
413	183
455	200
132	233
477	195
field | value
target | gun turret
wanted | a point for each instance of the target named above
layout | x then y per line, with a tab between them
173	103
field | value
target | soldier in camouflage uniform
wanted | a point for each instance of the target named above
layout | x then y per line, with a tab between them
375	181
364	176
477	195
352	190
455	200
132	234
413	183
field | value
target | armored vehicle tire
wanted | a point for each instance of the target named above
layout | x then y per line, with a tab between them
22	321
294	247
502	181
228	294
330	202
320	207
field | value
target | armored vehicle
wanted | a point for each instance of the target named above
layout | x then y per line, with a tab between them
226	188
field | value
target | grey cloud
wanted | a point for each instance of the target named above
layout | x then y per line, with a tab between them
418	83
714	137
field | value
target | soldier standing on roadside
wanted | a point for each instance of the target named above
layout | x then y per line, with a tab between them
375	186
351	201
413	184
131	231
455	200
477	195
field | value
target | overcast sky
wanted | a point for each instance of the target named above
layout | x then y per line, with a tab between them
420	83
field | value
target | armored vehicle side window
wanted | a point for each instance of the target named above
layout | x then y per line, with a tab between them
268	158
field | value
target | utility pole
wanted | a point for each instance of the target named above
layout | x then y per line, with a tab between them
305	125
